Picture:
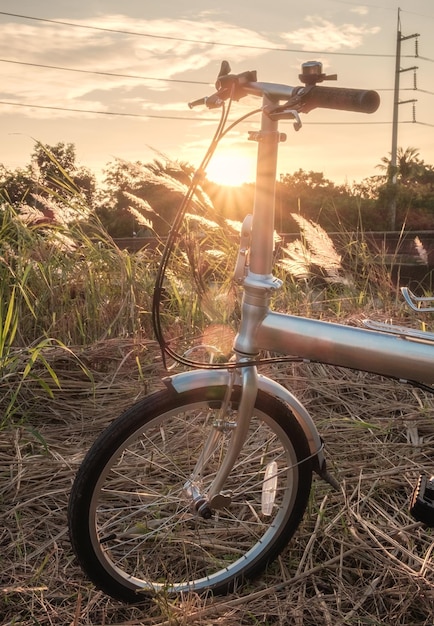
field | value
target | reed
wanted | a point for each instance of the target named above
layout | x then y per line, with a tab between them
76	349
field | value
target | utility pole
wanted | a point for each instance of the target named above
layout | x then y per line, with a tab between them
393	169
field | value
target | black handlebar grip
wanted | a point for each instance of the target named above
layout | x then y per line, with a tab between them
360	100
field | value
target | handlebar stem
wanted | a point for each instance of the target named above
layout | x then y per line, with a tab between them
262	237
259	281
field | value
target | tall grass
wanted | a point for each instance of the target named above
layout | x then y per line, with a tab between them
64	282
71	282
346	276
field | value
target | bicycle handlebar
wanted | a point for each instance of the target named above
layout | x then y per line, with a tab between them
300	98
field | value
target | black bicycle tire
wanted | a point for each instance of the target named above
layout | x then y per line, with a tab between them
138	416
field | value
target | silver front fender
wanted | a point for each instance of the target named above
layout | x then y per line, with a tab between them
197	379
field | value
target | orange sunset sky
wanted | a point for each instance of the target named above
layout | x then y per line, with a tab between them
114	78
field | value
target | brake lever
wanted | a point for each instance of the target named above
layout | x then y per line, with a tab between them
228	86
211	102
284	113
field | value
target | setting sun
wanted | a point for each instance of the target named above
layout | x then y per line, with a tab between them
231	169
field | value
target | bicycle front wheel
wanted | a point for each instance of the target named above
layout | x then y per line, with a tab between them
133	527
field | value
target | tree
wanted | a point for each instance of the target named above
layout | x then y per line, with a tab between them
52	170
153	189
315	197
408	165
55	168
412	192
15	186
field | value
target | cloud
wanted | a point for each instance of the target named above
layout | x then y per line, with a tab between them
320	34
161	55
360	10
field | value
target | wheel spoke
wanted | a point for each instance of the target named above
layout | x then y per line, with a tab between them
143	530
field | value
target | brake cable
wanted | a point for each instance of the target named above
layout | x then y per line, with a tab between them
166	349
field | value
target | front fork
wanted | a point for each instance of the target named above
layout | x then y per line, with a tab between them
253	271
257	289
204	504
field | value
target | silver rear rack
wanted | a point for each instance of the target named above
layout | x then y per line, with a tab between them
416	303
401	331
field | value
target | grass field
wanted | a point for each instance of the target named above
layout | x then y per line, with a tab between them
358	557
76	349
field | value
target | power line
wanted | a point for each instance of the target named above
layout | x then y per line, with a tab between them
197	41
430	17
169	80
110	113
414	89
99	73
120	75
178	117
138	76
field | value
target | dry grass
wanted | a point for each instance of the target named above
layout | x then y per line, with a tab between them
358	557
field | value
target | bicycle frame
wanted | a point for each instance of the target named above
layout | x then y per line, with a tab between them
408	358
334	344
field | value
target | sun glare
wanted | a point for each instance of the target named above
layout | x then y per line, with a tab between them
231	169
